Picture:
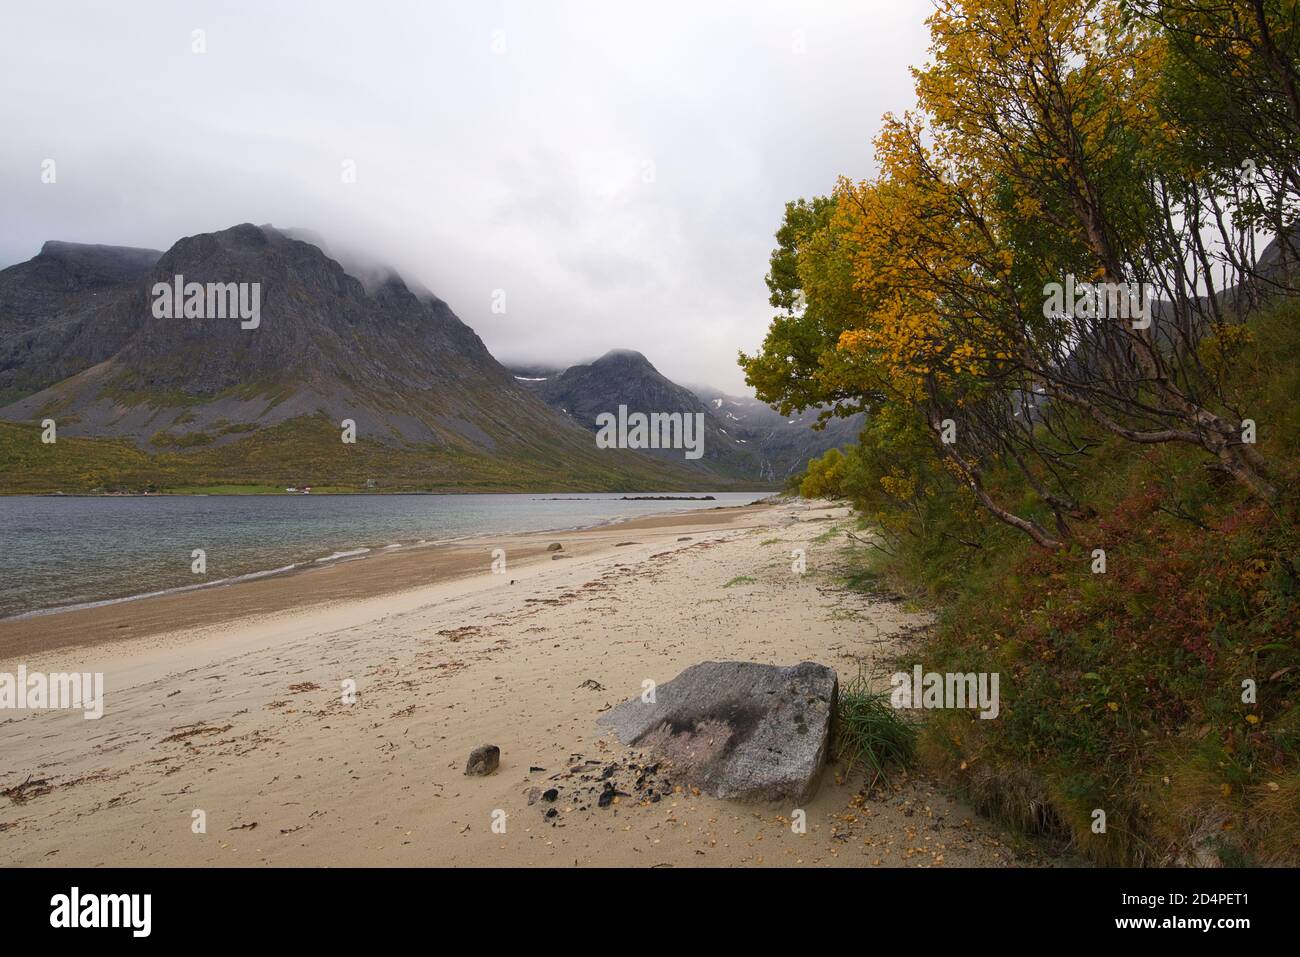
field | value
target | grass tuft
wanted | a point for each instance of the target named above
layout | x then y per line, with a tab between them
869	731
739	580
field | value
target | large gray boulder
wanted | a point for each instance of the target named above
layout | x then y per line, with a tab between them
737	729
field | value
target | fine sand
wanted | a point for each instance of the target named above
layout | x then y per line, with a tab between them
227	706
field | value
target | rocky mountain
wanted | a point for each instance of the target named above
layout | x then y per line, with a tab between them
57	309
743	436
211	399
785	443
626	378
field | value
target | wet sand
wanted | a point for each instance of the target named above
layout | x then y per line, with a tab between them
380	573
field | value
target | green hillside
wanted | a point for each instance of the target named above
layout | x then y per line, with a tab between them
308	451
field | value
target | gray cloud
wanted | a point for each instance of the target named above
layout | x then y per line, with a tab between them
618	169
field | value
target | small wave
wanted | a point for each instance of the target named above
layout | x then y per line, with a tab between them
350	554
151	594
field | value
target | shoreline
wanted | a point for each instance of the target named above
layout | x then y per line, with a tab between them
242	719
256	593
357	551
271	491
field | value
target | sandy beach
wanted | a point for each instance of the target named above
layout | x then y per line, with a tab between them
228	706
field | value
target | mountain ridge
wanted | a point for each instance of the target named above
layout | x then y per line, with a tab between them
745	434
80	343
625	377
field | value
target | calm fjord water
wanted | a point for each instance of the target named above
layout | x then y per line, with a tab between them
59	551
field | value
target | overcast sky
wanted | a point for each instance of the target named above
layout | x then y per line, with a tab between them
617	168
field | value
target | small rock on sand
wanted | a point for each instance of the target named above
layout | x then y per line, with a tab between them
484	759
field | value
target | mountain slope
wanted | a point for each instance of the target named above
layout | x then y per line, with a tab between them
623	377
785	444
56	308
209	401
742	435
